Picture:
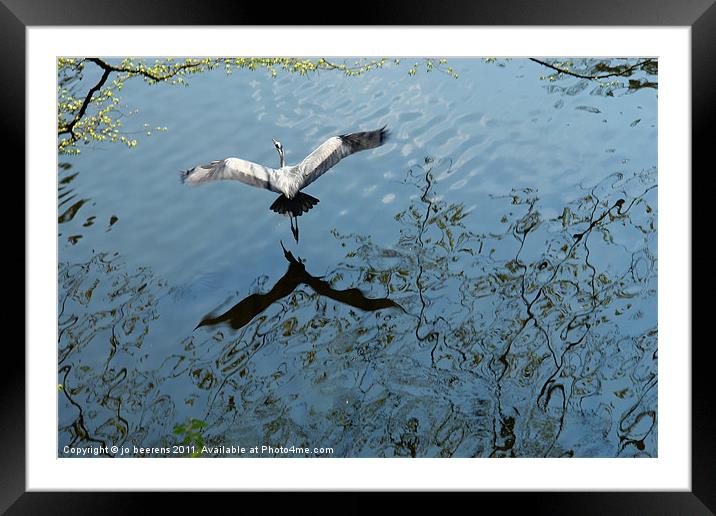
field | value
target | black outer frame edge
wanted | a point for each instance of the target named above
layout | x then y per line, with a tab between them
395	12
703	113
12	379
699	14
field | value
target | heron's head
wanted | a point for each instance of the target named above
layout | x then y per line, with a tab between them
279	149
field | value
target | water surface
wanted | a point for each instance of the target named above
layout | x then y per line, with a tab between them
512	219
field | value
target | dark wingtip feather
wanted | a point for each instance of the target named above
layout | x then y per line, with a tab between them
366	139
384	134
183	174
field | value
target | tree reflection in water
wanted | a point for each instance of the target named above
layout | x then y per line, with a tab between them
104	318
536	337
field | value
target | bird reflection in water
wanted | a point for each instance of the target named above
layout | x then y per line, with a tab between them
243	312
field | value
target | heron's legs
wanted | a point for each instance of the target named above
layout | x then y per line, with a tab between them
294	228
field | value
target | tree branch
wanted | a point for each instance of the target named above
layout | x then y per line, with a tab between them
107	70
108	67
592	77
69	128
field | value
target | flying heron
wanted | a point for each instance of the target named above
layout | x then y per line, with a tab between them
288	180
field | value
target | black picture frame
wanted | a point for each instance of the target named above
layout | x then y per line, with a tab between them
17	15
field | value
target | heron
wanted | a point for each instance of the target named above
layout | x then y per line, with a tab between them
288	180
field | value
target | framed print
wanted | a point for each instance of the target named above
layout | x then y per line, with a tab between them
442	249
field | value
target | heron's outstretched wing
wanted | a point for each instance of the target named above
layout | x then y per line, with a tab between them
231	168
335	149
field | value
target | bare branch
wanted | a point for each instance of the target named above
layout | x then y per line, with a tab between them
626	71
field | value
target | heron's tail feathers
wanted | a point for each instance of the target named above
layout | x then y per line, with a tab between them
296	206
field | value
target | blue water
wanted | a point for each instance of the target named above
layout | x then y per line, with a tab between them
513	219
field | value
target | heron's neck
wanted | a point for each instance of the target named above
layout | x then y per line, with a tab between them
283	160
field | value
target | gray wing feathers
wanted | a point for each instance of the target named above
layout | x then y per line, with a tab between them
335	149
231	169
